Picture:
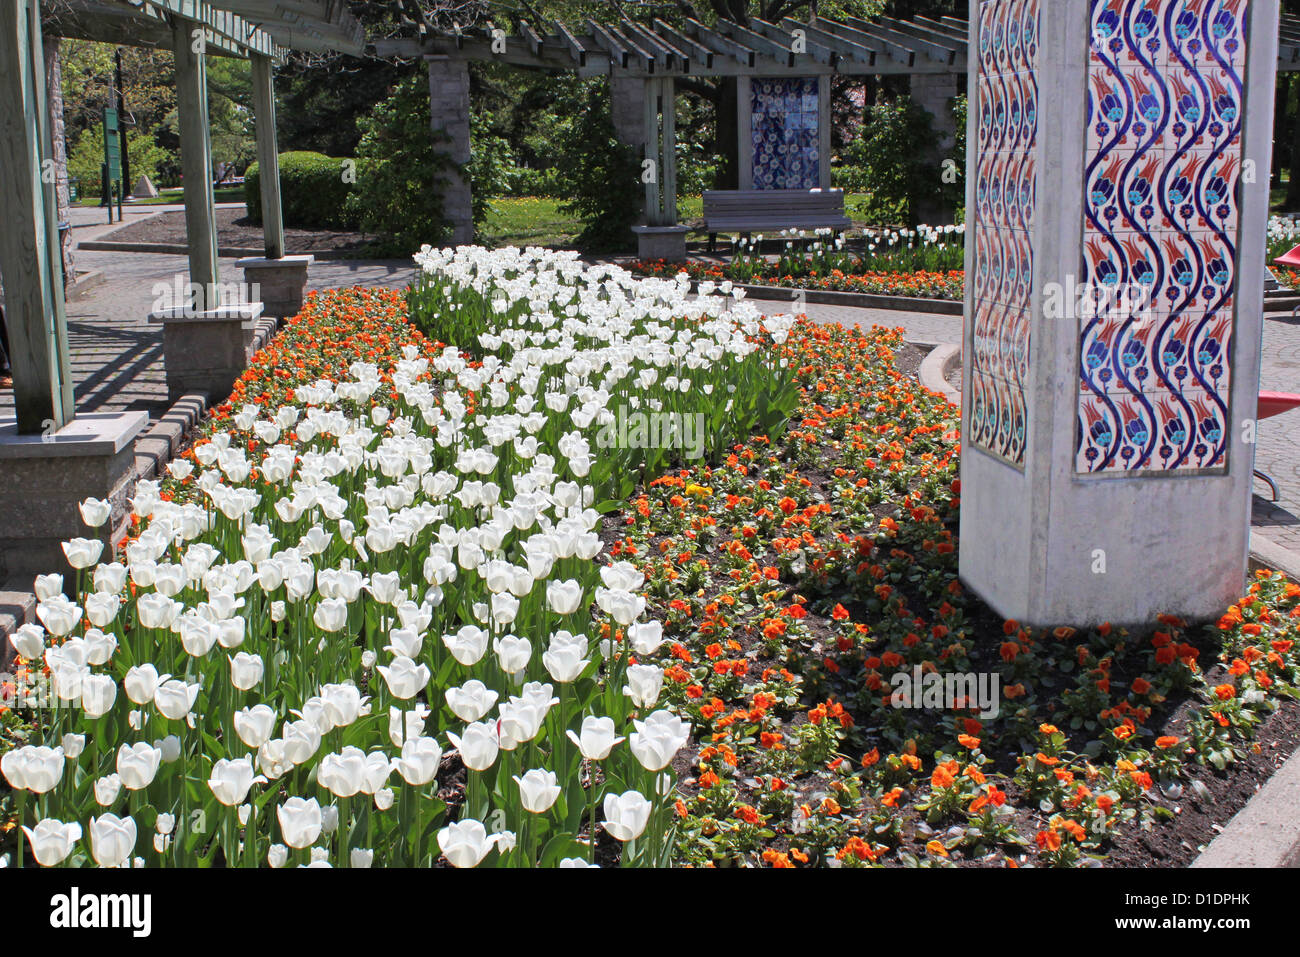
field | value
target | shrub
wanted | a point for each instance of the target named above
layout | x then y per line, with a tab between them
600	175
314	190
401	170
888	161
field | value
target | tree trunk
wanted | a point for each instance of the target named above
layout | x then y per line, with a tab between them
54	99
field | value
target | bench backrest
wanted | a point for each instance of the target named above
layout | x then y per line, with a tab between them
774	208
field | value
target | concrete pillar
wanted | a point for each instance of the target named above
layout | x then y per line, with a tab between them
1108	439
627	109
43	478
206	351
280	285
934	93
449	114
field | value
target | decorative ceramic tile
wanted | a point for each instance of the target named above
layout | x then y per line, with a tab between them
1006	189
786	127
1161	214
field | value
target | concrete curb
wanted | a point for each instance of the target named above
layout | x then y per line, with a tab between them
84	283
935	368
1264	833
1266	553
155	449
857	300
225	252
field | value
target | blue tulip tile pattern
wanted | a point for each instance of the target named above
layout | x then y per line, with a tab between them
785	133
1005	198
1161	214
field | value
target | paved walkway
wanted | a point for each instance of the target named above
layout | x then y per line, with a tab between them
117	360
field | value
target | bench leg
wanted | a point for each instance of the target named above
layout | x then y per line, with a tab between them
713	242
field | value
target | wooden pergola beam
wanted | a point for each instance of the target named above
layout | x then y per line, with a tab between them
743	35
818	51
603	39
637	54
696	52
891	48
933	44
744	55
666	56
576	50
841	45
902	41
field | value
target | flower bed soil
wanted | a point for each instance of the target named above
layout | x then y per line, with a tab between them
236	230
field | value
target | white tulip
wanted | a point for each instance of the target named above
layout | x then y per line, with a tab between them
231	780
112	839
465	843
596	739
52	840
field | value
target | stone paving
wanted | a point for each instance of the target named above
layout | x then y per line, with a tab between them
117	358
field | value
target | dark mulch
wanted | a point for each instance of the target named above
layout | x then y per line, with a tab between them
235	229
1199	815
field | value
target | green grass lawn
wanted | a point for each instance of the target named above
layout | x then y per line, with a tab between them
539	220
168	197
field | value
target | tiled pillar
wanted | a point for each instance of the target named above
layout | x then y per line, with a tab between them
449	113
1117	204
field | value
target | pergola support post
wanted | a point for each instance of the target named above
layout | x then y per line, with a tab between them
278	281
449	113
196	161
935	93
29	240
268	156
660	237
49	460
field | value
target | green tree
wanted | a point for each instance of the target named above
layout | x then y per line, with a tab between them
600	175
401	170
888	157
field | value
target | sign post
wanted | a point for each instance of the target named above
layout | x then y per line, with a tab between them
113	161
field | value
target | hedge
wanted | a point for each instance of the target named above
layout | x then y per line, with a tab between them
313	191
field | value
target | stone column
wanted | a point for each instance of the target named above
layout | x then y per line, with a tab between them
627	109
43	478
206	351
1117	198
449	114
934	93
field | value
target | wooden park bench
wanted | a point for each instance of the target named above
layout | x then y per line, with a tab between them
745	211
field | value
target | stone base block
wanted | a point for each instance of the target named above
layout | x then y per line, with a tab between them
43	478
281	284
661	242
207	351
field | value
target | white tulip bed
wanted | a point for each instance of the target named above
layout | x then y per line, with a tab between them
294	641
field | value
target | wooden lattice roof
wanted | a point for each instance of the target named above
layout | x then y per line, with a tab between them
847	46
233	27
